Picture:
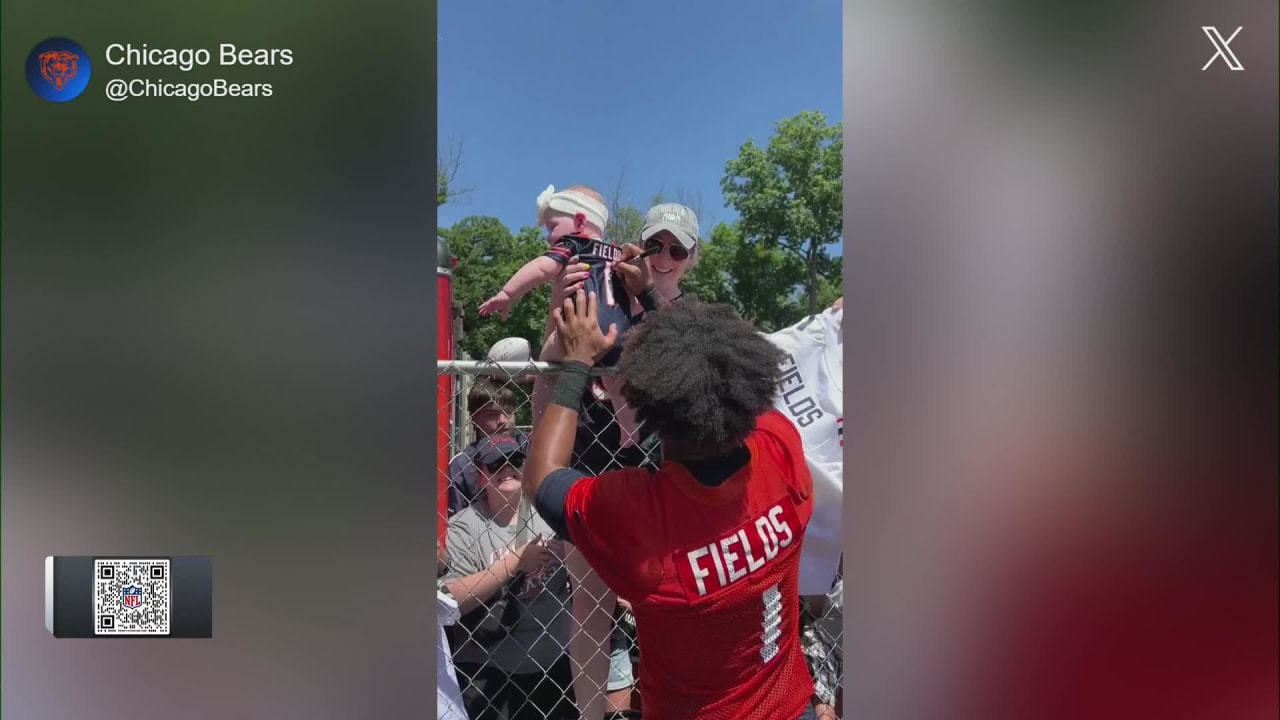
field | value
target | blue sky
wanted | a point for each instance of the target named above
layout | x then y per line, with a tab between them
661	92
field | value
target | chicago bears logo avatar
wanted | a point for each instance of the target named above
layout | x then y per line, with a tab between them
58	67
58	70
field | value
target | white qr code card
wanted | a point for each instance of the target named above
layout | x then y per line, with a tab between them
131	597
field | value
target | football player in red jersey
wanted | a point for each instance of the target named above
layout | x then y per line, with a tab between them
707	548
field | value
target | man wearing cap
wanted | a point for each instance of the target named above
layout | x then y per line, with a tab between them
491	406
507	575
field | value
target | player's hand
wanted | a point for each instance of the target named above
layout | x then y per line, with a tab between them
636	276
572	277
838	303
531	556
500	303
578	329
626	606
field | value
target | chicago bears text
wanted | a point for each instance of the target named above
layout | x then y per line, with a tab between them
185	59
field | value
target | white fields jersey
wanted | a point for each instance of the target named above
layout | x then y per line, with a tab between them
811	394
448	693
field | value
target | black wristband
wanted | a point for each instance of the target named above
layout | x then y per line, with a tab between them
571	385
649	299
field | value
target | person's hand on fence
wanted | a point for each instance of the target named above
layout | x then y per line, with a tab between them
578	329
636	276
500	303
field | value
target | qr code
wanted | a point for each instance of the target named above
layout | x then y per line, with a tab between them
131	597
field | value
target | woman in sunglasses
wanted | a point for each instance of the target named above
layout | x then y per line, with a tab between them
668	245
670	232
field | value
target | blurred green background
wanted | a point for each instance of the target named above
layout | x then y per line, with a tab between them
217	341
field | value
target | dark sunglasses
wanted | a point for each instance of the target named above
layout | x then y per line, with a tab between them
678	252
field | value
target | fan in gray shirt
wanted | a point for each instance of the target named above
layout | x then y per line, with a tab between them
510	570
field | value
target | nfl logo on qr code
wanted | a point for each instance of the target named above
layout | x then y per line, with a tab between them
131	596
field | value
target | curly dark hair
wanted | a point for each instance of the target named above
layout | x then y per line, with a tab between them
700	373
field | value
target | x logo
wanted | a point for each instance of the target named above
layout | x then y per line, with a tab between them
1223	47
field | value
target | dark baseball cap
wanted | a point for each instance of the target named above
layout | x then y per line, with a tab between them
498	449
673	218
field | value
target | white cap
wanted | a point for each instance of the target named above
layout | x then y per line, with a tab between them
673	218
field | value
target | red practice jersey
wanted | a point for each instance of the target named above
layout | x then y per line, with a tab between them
712	575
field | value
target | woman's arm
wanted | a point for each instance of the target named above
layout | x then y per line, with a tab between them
475	589
571	277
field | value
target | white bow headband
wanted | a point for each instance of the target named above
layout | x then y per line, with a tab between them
572	202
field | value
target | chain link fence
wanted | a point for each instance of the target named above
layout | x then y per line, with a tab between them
540	637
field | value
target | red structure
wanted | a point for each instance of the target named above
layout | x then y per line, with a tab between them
444	383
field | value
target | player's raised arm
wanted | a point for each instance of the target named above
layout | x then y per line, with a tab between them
582	343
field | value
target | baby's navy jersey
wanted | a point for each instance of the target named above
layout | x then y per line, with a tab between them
612	301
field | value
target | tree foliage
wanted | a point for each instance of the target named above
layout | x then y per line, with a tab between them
488	255
625	223
788	194
760	281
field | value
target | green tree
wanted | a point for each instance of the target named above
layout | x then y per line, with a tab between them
760	281
624	226
488	255
789	194
710	278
